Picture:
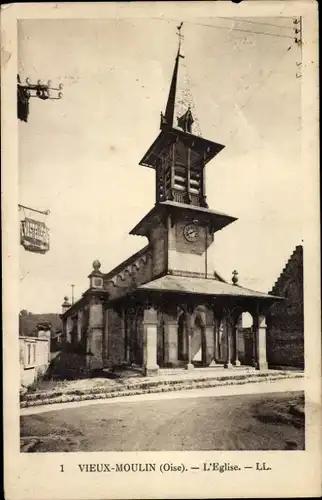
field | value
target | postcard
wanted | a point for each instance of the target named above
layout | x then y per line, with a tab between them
161	263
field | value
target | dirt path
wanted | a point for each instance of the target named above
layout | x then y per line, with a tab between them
207	423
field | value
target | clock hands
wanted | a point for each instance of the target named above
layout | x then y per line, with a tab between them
191	232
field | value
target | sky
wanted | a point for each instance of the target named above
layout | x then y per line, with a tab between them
78	156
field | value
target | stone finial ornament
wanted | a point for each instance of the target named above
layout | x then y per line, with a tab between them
66	304
235	277
96	265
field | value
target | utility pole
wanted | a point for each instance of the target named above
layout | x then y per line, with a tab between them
298	40
27	90
298	30
72	287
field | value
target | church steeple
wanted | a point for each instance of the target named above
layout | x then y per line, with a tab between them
179	154
180	110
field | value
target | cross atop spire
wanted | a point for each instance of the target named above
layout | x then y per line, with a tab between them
181	37
180	111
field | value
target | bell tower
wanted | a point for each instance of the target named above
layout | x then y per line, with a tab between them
180	226
180	154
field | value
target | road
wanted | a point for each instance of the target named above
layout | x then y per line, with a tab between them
240	422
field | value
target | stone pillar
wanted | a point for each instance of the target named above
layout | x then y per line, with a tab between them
150	328
94	359
260	334
220	346
216	341
128	338
235	333
170	342
123	332
210	332
229	342
64	328
241	340
254	339
69	329
79	325
188	320
106	359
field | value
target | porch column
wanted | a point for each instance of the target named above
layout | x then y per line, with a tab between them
64	328
260	335
150	331
69	329
188	320
235	343
216	340
123	331
127	338
254	340
79	325
170	339
229	342
210	332
96	331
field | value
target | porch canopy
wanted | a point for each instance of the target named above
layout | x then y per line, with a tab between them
196	289
223	301
204	286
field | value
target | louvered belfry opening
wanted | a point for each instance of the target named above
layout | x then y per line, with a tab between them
180	175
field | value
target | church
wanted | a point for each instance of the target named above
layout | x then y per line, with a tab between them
166	306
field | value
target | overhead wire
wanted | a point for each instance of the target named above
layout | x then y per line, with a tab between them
260	86
270	73
242	20
228	28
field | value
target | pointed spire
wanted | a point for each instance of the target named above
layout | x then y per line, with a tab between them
180	110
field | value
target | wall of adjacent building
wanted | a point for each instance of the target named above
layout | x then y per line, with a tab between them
34	358
285	321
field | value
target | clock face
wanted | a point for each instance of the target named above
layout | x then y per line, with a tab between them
191	232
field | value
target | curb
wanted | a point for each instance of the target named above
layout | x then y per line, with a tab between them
153	388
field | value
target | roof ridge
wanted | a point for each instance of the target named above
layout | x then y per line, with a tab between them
126	262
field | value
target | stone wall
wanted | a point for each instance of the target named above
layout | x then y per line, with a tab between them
285	321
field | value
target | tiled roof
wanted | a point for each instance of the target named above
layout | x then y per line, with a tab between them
201	286
218	220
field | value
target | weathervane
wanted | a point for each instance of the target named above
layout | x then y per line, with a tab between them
27	90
